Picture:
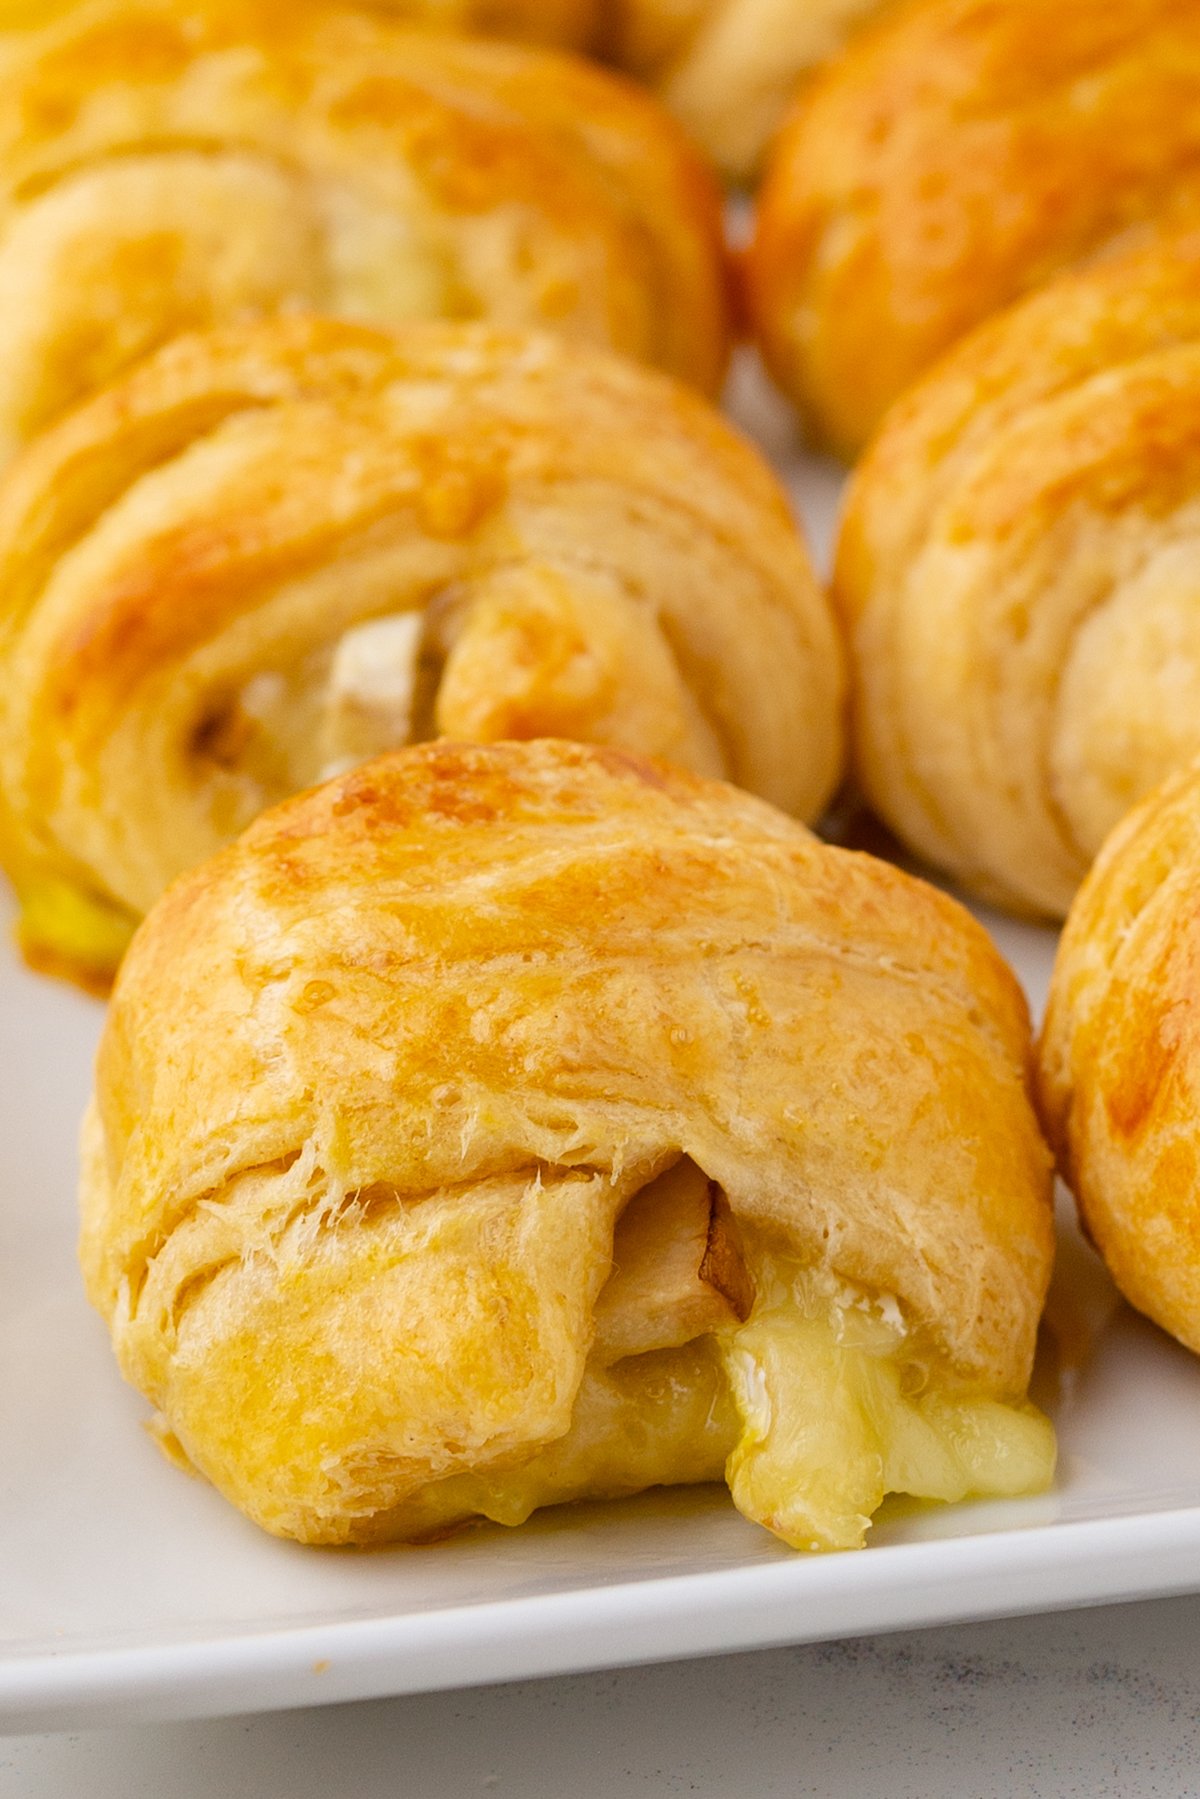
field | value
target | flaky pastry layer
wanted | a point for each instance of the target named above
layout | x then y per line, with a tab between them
275	551
729	69
954	156
1119	1057
1017	574
570	23
168	165
534	1119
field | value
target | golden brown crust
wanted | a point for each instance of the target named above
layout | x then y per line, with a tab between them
508	986
729	69
167	165
957	155
1119	1058
227	567
572	24
1015	571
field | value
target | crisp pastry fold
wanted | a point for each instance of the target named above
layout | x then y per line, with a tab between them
729	69
956	155
1017	571
168	165
497	1125
1119	1057
274	551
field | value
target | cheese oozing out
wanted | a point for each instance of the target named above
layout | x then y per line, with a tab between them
715	1358
840	1404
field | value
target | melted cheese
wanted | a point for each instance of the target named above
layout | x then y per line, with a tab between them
839	1407
663	1419
710	1356
66	932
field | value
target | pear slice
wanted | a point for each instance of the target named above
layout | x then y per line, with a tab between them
677	1270
372	690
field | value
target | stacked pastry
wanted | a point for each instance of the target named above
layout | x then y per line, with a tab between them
487	1115
1012	571
1119	1061
977	256
726	69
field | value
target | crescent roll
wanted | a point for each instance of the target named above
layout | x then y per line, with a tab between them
500	1125
1018	572
1119	1059
571	24
729	69
956	155
271	552
168	165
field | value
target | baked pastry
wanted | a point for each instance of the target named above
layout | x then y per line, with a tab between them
1016	572
1119	1068
273	551
166	165
729	69
958	154
572	24
507	1124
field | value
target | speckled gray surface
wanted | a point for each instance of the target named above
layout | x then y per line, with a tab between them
1085	1705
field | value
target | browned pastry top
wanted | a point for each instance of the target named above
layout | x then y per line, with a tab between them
1017	570
167	165
379	1080
955	155
1120	1055
273	551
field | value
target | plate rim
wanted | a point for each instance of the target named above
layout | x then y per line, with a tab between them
1058	1566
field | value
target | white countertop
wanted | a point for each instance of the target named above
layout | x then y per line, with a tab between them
1102	1704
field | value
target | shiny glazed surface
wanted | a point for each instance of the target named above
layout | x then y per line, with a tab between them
274	551
955	156
168	165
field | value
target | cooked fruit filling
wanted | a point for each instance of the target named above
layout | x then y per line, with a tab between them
537	648
678	1271
371	698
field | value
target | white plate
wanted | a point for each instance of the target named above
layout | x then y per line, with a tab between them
128	1592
